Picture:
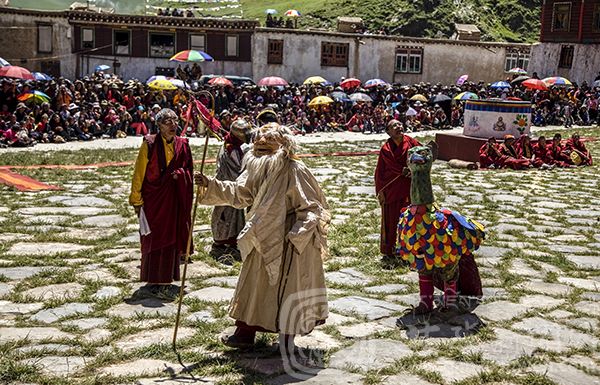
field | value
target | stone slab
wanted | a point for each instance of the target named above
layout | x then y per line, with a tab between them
78	211
33	334
56	365
452	371
140	368
19	273
362	330
372	309
500	310
564	374
45	248
542	287
148	306
150	337
317	340
107	292
201	316
104	221
386	289
327	376
7	307
52	315
591	262
213	294
586	284
366	355
348	277
60	291
557	332
86	323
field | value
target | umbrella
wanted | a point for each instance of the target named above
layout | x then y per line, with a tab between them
16	72
360	97
315	80
220	81
500	84
517	71
466	96
3	62
411	112
350	83
191	55
41	76
461	80
292	13
419	97
374	83
440	98
35	97
176	82
535	84
271	11
519	79
162	84
339	96
320	101
272	81
101	67
557	81
596	83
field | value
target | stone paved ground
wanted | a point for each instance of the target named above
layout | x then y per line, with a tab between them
69	267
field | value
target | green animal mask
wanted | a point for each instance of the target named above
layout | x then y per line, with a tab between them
420	159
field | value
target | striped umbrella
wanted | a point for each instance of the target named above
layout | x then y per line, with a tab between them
535	84
191	55
162	84
16	72
3	62
34	97
466	96
517	71
272	81
220	81
557	81
315	80
500	84
375	83
41	76
350	83
292	13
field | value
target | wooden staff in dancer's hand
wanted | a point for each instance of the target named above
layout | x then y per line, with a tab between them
195	107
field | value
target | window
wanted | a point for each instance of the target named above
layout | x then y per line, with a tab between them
232	45
596	19
44	38
275	52
516	59
198	42
566	56
409	60
162	44
334	54
561	17
122	43
87	38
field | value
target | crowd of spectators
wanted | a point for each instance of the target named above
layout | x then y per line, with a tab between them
103	106
175	12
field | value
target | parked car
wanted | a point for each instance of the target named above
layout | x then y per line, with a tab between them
236	80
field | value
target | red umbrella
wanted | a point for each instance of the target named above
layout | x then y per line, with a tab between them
535	84
350	83
16	72
272	81
220	81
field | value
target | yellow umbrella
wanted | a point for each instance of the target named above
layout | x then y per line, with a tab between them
315	80
320	101
419	97
161	84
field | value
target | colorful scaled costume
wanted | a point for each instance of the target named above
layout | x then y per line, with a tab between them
432	239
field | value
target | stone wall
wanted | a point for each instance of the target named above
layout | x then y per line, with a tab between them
585	67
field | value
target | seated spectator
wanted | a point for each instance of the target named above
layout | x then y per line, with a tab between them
576	146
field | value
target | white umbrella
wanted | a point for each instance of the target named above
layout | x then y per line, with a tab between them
411	112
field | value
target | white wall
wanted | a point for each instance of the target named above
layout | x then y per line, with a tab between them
586	61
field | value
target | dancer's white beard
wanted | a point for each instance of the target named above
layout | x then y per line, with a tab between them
259	168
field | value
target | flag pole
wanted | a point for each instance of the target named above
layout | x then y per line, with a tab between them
199	194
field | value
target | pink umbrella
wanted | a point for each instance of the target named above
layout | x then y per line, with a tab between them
272	81
220	81
461	80
350	83
16	72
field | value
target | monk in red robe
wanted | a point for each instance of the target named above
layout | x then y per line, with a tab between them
560	156
542	151
489	155
392	186
510	157
576	145
162	194
525	150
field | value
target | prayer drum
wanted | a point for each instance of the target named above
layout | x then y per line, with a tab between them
495	118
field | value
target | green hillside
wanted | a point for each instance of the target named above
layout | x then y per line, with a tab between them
499	20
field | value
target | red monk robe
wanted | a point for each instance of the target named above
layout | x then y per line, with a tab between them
542	152
394	188
489	155
167	192
575	144
525	150
561	159
510	157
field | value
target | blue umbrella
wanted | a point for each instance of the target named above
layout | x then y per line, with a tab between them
101	67
500	84
3	62
271	11
340	97
41	76
375	83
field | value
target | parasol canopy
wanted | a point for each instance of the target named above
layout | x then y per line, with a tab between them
500	84
101	67
315	80
439	98
461	80
220	81
3	62
176	82
162	84
320	101
41	76
34	97
535	84
350	83
466	96
292	13
517	71
411	112
519	79
375	83
419	97
16	72
272	81
270	11
191	55
557	81
360	97
339	96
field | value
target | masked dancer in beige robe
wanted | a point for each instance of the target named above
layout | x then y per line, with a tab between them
281	288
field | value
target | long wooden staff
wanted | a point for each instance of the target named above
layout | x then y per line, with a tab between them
199	195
